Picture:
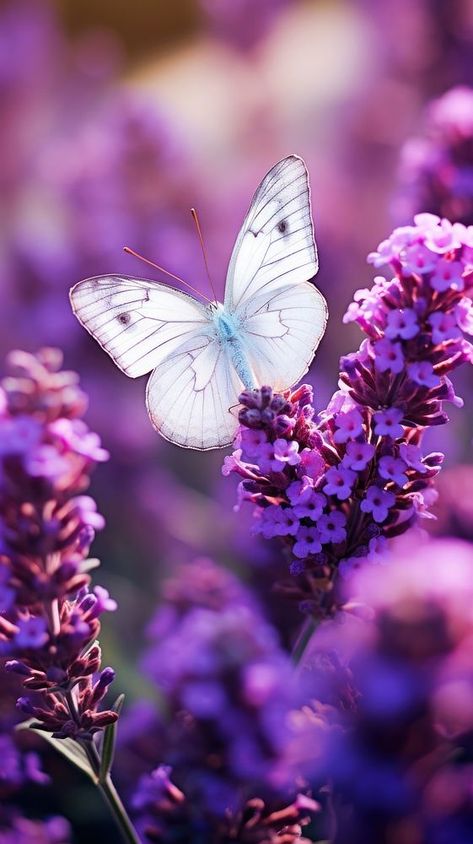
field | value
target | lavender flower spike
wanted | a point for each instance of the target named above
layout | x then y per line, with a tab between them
50	620
357	474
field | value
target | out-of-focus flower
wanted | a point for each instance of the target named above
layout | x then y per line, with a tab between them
20	768
399	756
242	24
50	621
228	689
371	479
436	170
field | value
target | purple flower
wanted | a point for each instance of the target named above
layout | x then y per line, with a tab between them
447	276
378	502
32	633
444	327
349	426
388	356
300	492
418	259
227	688
402	323
378	678
51	625
252	440
440	235
278	521
413	457
392	469
387	423
311	508
307	542
422	372
332	527
339	482
464	315
358	455
286	451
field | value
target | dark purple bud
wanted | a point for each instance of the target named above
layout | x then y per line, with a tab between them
17	667
283	425
279	404
297	567
250	398
266	394
88	603
250	418
56	675
67	570
85	538
267	416
25	705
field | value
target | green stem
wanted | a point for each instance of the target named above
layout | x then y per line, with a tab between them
303	640
112	798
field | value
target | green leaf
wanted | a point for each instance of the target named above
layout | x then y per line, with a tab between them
108	742
69	748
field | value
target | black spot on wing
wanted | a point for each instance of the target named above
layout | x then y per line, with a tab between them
124	318
283	226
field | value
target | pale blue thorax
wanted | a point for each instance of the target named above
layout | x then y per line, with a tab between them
228	333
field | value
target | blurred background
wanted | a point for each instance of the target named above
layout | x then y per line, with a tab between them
116	118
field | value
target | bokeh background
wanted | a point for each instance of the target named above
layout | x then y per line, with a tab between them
115	119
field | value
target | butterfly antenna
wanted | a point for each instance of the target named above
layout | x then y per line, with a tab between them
202	246
162	270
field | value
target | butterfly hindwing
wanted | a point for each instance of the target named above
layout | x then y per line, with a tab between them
189	396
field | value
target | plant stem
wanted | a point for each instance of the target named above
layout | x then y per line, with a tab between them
112	798
303	639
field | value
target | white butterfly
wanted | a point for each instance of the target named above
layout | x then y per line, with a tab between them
202	356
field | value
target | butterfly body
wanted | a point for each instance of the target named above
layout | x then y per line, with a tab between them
228	334
201	356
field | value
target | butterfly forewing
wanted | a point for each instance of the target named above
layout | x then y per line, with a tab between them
137	322
275	247
282	315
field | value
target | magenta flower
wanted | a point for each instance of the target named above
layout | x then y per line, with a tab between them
358	455
339	482
388	356
447	276
349	426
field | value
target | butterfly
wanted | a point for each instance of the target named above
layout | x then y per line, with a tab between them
201	356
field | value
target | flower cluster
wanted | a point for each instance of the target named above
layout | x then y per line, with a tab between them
166	816
336	487
228	689
436	171
50	616
400	764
